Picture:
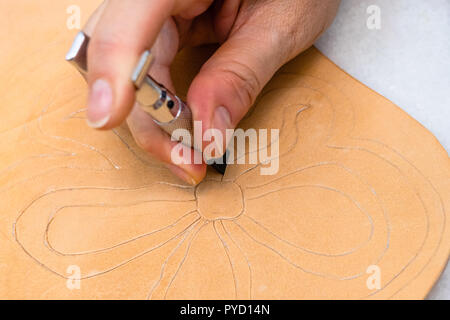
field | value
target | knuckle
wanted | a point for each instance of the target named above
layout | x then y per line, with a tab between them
106	44
243	80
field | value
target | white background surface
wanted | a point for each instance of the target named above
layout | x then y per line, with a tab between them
407	60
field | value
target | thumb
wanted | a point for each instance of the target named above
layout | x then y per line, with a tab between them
229	82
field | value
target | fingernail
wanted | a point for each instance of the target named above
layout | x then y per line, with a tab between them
99	104
222	119
183	175
222	122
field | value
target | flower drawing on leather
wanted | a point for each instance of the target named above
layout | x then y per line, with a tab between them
242	235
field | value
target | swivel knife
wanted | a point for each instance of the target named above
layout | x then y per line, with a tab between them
168	111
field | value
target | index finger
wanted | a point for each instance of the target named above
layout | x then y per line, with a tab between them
123	31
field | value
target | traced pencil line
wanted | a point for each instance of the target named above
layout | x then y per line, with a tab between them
74	115
441	202
109	269
144	161
26	129
416	192
298	170
225	247
92	148
12	185
303	248
356	175
296	128
163	267
351	199
48	244
399	170
85	188
184	258
33	157
291	147
245	256
323	275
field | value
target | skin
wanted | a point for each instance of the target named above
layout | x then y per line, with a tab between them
256	38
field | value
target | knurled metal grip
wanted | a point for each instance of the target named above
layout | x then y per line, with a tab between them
166	109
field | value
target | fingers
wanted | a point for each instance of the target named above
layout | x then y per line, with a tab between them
149	136
94	18
146	133
124	30
152	139
264	36
189	9
229	82
120	31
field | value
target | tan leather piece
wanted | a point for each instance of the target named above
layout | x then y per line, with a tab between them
360	184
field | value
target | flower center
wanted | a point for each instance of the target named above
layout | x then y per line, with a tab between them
219	200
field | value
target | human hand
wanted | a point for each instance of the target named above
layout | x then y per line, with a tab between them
257	37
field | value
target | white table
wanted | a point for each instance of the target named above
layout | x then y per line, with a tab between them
407	60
